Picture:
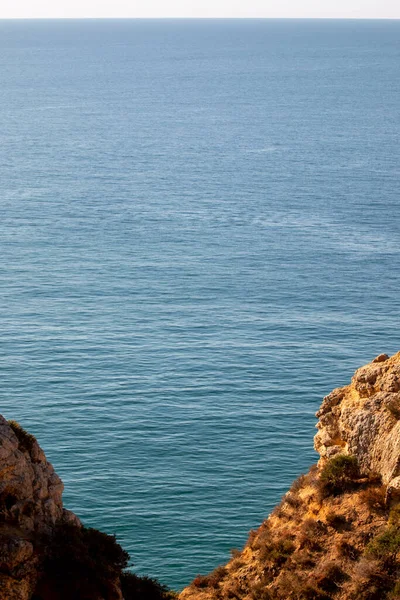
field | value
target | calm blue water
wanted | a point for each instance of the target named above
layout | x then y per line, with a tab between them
199	238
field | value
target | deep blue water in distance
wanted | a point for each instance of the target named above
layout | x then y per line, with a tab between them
199	239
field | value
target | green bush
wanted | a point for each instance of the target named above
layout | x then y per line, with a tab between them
394	516
338	475
385	546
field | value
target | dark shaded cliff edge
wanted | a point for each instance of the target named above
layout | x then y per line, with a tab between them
45	551
334	536
336	533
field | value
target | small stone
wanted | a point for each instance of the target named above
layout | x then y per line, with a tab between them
380	358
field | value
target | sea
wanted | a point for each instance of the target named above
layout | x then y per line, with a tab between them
199	239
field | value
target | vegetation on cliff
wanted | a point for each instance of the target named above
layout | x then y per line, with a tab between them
331	538
87	564
336	533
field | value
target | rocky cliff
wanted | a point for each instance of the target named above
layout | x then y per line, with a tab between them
362	420
45	552
336	533
30	506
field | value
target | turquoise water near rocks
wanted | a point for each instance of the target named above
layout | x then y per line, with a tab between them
199	239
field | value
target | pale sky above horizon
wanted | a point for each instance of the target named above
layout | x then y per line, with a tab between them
361	9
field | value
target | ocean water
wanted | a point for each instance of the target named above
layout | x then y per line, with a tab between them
199	239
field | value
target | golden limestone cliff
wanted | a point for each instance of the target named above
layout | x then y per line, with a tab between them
336	533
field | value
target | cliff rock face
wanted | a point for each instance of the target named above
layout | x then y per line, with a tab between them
336	533
30	504
45	551
38	536
362	419
30	490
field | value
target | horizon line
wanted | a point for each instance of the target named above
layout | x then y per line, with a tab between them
194	18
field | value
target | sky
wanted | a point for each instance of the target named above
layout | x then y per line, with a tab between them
362	9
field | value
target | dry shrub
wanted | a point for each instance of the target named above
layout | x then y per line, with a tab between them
303	559
298	484
278	551
338	521
371	581
278	511
330	576
313	592
375	498
26	440
212	580
262	537
252	537
217	576
260	592
292	500
200	581
237	563
365	570
346	549
290	586
235	589
310	534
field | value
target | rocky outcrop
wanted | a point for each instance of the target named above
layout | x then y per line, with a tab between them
336	533
30	490
362	419
38	536
45	551
30	506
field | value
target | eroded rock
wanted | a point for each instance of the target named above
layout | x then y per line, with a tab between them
363	419
30	505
